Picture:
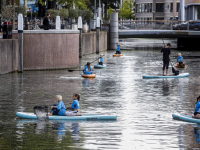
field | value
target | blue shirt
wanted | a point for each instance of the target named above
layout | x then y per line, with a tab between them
61	108
180	59
118	48
75	104
86	71
101	59
197	106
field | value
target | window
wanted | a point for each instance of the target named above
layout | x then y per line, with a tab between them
177	7
159	7
171	7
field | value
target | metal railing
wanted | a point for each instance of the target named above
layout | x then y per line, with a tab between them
159	25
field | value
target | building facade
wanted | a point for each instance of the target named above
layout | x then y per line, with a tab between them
192	9
166	10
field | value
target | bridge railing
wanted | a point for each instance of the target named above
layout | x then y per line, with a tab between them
151	25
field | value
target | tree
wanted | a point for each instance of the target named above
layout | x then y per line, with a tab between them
126	10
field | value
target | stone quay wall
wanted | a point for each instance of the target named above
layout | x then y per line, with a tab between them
89	42
47	49
8	55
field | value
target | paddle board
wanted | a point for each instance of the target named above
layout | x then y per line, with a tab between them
27	115
185	117
100	66
180	66
181	75
88	75
117	55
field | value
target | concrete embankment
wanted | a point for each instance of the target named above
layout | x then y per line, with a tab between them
8	55
48	49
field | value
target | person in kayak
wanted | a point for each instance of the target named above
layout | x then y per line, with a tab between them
166	52
59	108
87	69
197	107
100	62
179	60
74	109
118	48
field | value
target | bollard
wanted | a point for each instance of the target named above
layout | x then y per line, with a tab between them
20	42
80	36
97	34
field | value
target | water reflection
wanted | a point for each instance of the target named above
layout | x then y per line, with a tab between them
61	128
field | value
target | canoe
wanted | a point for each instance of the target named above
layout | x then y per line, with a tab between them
88	75
27	115
117	55
181	75
185	117
180	66
100	66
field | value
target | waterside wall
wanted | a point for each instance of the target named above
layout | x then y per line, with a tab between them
48	49
8	55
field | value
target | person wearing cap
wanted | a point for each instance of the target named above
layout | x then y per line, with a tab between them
166	52
87	69
196	110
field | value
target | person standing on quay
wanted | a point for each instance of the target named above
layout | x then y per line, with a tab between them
46	22
166	52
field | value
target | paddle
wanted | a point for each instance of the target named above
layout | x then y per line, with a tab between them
95	59
41	112
74	70
82	70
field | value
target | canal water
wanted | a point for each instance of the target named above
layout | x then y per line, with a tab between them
143	107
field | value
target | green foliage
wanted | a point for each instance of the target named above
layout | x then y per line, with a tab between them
73	13
53	13
63	13
7	13
87	15
126	9
20	9
110	10
80	4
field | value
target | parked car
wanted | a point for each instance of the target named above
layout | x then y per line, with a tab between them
191	25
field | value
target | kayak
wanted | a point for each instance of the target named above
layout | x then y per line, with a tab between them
100	66
185	117
117	55
181	75
27	115
180	66
88	75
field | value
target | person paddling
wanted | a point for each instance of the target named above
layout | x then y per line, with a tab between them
87	69
100	62
74	109
196	110
166	52
118	48
59	108
179	60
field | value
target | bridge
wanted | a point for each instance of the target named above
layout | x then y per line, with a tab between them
158	34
